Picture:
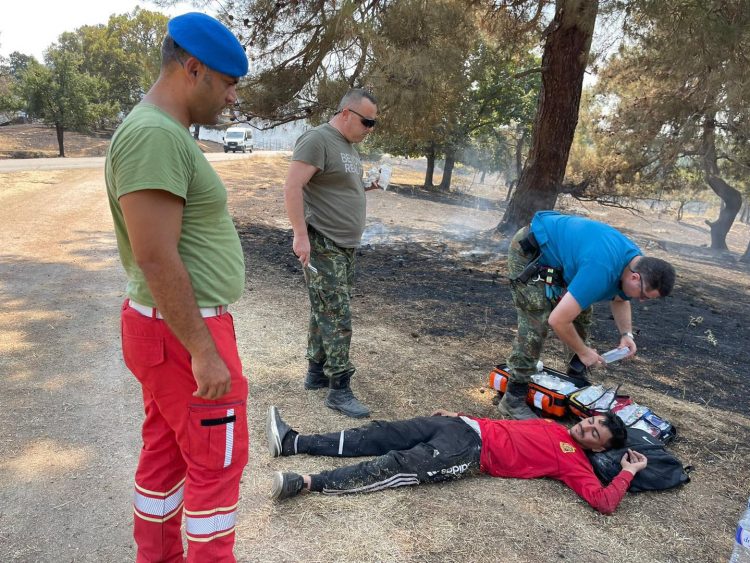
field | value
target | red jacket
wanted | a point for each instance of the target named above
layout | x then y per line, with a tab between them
526	449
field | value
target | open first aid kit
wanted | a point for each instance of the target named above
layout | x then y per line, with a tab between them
597	399
557	394
548	391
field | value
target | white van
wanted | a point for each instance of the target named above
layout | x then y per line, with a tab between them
238	139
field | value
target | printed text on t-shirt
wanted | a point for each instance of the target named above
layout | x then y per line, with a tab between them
352	165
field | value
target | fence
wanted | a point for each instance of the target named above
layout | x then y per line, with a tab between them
260	144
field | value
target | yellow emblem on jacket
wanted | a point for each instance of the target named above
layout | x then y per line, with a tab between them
567	448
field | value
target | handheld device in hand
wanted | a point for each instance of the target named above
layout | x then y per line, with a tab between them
385	177
615	354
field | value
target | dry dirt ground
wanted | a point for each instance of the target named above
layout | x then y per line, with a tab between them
432	314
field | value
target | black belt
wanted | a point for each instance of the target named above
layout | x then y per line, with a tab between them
529	245
547	274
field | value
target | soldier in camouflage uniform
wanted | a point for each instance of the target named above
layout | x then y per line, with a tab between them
591	262
533	308
325	200
330	289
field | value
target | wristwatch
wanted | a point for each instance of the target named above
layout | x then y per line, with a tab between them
628	334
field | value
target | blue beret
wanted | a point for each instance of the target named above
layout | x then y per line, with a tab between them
209	41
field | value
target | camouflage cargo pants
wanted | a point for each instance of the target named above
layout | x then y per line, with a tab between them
330	289
533	310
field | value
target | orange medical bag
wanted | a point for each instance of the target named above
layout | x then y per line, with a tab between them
551	402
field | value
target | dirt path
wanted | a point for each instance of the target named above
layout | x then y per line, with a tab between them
431	316
68	411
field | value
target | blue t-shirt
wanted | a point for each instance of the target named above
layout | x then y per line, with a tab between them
591	254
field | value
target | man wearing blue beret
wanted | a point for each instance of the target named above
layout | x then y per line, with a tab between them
185	266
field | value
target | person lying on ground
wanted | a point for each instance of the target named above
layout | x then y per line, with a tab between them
447	445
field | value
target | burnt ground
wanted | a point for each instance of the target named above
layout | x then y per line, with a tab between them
449	290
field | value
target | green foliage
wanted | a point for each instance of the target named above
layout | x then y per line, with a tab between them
125	54
60	94
439	82
297	48
419	72
681	72
18	62
501	103
10	71
92	76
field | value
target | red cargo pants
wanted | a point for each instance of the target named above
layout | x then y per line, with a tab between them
194	450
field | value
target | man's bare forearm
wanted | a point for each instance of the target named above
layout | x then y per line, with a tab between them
623	315
170	285
569	335
293	201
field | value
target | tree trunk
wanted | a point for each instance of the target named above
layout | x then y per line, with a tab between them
450	161
745	213
511	186
196	131
60	145
566	50
484	174
430	167
746	257
520	140
730	197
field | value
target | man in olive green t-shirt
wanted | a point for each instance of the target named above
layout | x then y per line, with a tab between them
184	265
325	200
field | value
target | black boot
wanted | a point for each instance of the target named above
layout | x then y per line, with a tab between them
513	403
315	378
341	398
577	372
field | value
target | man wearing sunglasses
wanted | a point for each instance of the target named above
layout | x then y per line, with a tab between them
325	200
559	266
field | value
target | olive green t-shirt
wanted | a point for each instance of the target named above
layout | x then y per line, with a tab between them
335	202
153	151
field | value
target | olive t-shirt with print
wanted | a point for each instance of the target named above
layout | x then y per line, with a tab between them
153	151
335	202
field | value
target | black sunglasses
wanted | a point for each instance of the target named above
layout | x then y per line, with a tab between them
366	121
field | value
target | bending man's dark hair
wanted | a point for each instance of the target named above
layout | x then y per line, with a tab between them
657	274
619	432
354	96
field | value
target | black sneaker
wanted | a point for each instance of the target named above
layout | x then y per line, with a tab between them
276	429
286	485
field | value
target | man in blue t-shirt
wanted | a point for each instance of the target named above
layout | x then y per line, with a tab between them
559	267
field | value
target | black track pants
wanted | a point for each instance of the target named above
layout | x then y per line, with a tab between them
419	450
